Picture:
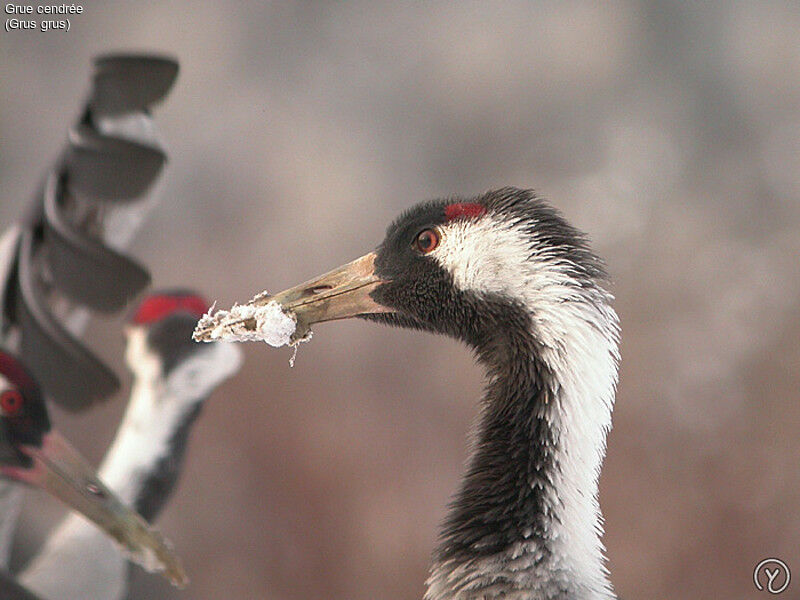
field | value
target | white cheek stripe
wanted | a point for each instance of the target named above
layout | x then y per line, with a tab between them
158	405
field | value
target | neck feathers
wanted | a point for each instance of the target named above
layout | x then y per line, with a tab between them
144	460
526	522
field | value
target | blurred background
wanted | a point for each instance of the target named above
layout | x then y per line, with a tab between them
297	131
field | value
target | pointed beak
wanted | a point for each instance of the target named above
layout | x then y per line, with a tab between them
62	471
341	293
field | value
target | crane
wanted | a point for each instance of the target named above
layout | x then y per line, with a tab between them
507	275
172	378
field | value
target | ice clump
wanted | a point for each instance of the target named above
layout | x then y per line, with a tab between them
247	323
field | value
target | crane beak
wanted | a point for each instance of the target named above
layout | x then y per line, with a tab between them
341	293
62	471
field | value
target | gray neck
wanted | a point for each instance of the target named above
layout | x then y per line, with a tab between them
144	460
526	523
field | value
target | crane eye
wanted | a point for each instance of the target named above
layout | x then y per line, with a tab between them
11	402
427	241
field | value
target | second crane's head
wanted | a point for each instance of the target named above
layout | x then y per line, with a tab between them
173	376
503	272
161	354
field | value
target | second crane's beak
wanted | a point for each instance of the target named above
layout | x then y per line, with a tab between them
59	468
338	294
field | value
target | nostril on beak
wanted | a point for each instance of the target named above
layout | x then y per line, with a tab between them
95	490
318	289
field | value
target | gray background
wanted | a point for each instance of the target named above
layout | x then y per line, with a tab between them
297	131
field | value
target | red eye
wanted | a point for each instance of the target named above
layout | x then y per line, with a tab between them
11	402
427	241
